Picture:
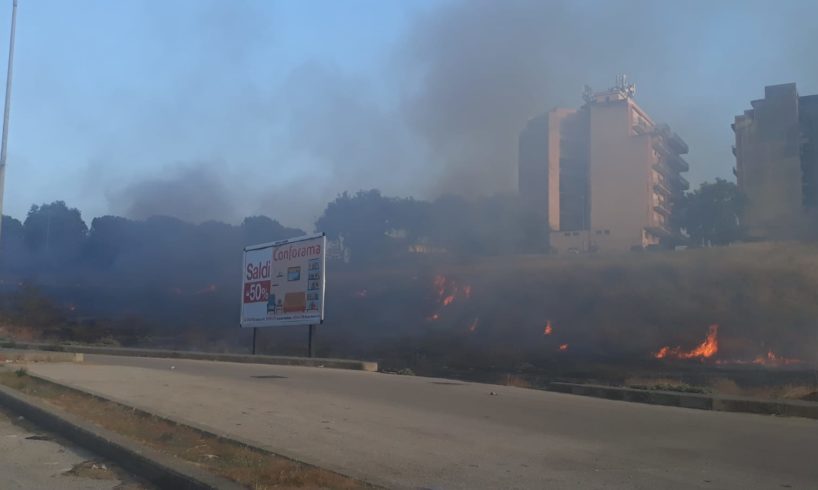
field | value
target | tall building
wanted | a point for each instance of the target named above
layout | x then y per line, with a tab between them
777	162
604	174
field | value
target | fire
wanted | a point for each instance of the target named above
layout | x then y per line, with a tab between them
440	284
772	359
548	329
563	347
705	350
447	292
473	325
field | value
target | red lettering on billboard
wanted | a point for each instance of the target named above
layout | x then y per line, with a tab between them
294	252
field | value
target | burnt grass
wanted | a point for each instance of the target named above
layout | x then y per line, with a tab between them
612	312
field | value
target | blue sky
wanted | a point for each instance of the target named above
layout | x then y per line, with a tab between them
108	92
221	109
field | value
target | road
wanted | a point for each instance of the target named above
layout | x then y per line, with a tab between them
33	460
414	432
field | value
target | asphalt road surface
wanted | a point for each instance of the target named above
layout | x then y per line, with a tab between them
414	432
34	460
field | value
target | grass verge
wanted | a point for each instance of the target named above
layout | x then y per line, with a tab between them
254	468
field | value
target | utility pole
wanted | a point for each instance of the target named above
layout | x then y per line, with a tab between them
4	142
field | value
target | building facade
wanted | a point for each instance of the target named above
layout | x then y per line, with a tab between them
605	174
777	162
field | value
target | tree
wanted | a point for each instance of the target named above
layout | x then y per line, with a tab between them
54	230
261	229
361	223
12	247
710	214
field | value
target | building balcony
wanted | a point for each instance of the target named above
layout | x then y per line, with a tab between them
659	231
671	139
663	209
680	182
677	163
662	188
677	144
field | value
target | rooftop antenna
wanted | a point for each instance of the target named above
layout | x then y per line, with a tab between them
625	88
4	142
587	93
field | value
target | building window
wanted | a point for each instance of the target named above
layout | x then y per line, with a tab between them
607	232
566	234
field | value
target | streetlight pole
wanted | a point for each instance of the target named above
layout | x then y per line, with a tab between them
4	142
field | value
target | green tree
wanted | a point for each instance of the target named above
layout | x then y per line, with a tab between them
361	222
710	214
54	230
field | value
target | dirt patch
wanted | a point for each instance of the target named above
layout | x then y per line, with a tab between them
257	469
94	470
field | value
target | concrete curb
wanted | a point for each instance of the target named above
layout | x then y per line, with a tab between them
790	408
153	466
203	356
205	430
24	355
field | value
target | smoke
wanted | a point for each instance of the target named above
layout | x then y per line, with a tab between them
442	113
192	192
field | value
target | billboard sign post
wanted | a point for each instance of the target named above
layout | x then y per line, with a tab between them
283	284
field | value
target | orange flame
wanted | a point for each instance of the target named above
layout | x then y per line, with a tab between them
563	347
548	330
447	292
440	284
705	350
772	359
473	325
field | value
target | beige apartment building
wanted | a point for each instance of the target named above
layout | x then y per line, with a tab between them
604	174
777	162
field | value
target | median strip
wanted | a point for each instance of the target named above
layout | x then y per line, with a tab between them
221	458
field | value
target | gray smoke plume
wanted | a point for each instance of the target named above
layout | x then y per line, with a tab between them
193	193
445	111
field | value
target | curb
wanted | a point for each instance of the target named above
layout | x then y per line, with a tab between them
25	355
206	431
153	466
789	408
354	365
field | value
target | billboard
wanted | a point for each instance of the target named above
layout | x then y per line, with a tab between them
283	282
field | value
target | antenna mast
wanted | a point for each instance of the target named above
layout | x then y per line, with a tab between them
4	142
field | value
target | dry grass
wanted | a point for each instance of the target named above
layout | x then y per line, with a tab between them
518	381
726	386
254	468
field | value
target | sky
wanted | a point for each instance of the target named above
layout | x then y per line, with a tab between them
216	109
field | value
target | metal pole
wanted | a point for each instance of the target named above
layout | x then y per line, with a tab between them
310	351
254	340
4	142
